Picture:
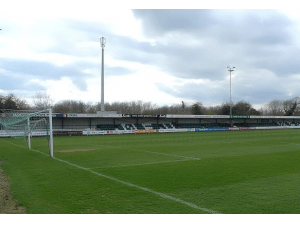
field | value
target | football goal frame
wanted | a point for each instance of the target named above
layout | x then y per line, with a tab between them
27	124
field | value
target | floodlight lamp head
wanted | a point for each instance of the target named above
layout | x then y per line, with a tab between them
102	42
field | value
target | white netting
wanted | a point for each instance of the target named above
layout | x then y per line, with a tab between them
25	124
20	123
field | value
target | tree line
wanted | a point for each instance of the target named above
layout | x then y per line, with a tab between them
41	100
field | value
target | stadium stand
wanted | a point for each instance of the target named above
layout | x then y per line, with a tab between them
268	124
120	127
154	126
189	125
215	125
159	122
106	127
169	126
140	126
129	126
109	127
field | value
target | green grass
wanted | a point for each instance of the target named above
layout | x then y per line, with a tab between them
223	172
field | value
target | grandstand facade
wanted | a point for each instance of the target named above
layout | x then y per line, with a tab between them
129	122
112	123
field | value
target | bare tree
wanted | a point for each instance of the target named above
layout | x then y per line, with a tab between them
289	106
149	108
282	107
42	100
213	110
2	99
225	108
11	101
239	108
91	108
274	108
197	109
133	107
71	106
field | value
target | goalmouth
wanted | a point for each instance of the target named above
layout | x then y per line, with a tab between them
27	124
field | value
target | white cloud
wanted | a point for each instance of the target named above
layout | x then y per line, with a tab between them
187	61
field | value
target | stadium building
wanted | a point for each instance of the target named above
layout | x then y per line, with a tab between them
113	123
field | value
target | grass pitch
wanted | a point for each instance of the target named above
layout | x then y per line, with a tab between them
210	172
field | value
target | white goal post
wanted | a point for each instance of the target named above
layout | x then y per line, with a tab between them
27	124
51	133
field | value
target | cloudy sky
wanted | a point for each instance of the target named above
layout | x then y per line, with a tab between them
163	56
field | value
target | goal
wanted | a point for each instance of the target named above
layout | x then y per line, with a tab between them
27	124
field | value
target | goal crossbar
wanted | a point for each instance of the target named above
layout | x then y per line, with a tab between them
22	123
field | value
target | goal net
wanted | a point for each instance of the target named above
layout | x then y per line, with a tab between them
27	125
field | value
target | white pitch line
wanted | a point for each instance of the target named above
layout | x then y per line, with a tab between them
132	185
143	188
160	153
141	164
25	147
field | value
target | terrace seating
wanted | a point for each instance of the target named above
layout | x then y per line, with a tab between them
253	125
153	126
148	126
268	124
110	127
162	126
214	125
156	126
169	126
140	126
189	125
182	125
223	125
129	126
106	127
120	127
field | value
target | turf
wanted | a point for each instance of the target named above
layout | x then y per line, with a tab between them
210	172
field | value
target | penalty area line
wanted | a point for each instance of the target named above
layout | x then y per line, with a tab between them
165	196
142	164
151	152
143	188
